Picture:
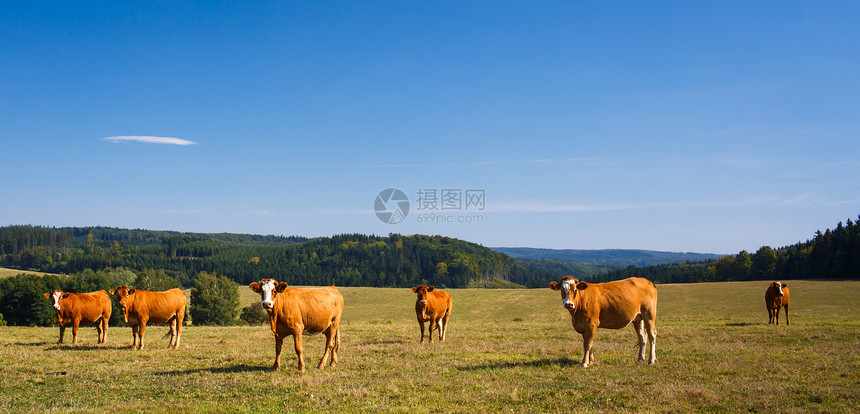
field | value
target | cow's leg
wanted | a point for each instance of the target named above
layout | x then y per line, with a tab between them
786	314
180	317
776	315
104	325
336	347
432	327
444	330
769	316
279	342
335	339
62	332
420	323
99	328
587	342
297	337
141	331
173	334
329	344
639	327
134	329
75	324
651	328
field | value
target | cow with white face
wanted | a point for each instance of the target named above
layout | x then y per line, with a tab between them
434	306
78	309
611	305
301	311
775	297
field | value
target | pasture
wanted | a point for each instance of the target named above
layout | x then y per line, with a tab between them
6	272
507	351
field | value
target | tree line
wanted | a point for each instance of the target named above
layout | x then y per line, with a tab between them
833	255
214	299
389	261
343	260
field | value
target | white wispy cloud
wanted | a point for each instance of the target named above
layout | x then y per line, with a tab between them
150	140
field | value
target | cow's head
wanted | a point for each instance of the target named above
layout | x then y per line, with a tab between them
123	294
569	288
777	288
56	296
423	294
268	288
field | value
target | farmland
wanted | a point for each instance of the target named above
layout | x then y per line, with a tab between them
507	350
4	272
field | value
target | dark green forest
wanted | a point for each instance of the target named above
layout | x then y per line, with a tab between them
390	261
343	260
831	255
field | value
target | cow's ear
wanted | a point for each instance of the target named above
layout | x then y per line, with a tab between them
65	295
110	292
281	287
553	285
784	285
131	291
431	288
47	295
255	287
414	290
581	285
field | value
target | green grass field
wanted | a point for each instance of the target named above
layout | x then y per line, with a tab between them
507	351
6	272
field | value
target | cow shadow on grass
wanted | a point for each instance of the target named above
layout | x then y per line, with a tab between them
30	343
743	324
219	370
563	361
70	347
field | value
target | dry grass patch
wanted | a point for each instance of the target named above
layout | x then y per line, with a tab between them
6	272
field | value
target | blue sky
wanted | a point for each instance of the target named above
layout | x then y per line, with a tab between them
649	125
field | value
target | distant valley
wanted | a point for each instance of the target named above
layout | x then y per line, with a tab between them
608	257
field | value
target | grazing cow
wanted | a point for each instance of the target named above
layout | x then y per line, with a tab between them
77	309
302	311
775	297
434	306
611	305
140	307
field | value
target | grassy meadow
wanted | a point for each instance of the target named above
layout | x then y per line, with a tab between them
6	272
507	351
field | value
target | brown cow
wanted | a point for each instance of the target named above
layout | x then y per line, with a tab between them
302	311
434	306
77	309
775	297
611	305
140	307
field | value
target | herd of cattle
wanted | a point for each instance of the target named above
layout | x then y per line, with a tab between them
294	312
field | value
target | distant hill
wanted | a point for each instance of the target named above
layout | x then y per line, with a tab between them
613	258
344	260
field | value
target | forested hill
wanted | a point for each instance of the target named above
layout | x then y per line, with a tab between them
141	237
610	257
832	254
344	260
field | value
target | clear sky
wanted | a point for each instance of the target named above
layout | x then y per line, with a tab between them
681	126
